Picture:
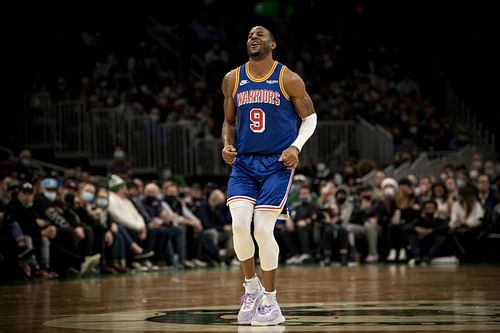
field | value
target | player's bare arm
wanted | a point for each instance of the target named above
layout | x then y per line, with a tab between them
295	88
228	127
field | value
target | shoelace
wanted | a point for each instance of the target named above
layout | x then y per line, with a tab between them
247	299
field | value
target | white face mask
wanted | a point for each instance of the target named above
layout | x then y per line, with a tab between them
50	195
119	154
389	192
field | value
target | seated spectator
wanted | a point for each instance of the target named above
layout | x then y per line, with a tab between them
115	255
443	200
426	234
168	235
407	210
214	216
331	235
370	216
466	218
131	225
68	236
22	212
298	239
184	217
487	198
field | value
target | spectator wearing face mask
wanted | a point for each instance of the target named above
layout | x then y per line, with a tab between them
345	204
68	204
407	210
91	217
24	168
466	218
119	165
426	235
215	218
68	236
304	214
443	199
159	221
40	233
131	224
329	234
486	198
184	218
364	224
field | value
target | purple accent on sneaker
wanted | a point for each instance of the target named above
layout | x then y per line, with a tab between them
265	310
249	305
247	300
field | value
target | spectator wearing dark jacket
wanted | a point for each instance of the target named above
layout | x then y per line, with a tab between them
427	234
216	222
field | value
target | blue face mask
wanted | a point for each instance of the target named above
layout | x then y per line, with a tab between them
87	196
28	205
102	202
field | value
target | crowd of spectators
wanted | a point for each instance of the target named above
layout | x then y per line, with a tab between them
142	80
54	224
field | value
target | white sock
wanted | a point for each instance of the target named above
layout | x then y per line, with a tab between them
253	283
270	296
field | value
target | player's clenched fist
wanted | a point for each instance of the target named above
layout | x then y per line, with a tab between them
290	157
229	154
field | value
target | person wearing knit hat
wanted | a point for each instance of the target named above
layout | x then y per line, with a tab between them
115	182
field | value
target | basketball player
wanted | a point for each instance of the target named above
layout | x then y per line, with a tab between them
263	104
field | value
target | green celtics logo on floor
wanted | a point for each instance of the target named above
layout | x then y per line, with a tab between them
351	316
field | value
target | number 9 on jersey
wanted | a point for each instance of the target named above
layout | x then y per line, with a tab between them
257	120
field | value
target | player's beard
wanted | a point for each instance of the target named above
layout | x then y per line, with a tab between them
261	52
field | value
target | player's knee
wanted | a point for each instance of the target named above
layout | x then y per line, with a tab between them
241	213
264	225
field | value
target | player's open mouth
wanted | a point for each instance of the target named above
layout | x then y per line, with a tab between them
254	44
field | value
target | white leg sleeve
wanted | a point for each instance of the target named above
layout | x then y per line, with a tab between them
264	222
242	213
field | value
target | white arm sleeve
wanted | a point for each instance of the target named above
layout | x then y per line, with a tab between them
306	130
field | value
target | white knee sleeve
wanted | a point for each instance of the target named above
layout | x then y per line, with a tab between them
264	221
242	213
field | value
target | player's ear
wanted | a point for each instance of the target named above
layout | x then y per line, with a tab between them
273	45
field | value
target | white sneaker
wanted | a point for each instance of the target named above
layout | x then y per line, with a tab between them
249	303
89	263
199	263
188	264
139	267
392	255
372	258
451	260
149	265
268	313
303	257
402	254
292	260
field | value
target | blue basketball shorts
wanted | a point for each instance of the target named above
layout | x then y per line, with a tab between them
261	180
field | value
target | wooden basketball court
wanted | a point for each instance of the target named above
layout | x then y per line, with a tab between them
313	299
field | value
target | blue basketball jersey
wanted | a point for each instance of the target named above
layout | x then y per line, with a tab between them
266	119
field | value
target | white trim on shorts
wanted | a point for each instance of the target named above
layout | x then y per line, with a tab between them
283	201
